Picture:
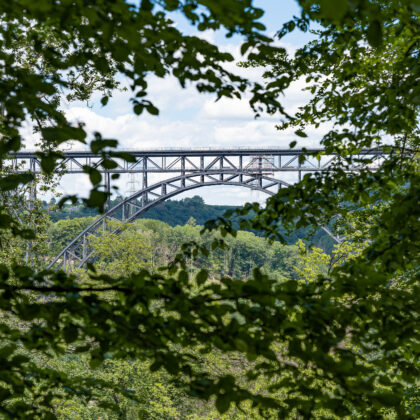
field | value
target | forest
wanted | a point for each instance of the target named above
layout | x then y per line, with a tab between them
132	389
151	244
253	313
178	212
173	212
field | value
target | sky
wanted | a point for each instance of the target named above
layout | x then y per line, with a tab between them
190	119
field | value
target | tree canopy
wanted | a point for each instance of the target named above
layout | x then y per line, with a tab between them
340	341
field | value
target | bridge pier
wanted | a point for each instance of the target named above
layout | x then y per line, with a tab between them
144	196
183	171
31	205
107	182
202	169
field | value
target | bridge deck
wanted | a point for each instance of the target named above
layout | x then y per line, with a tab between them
192	160
208	151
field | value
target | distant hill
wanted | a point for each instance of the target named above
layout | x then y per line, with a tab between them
170	211
176	213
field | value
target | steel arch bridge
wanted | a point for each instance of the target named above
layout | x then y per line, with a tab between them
181	170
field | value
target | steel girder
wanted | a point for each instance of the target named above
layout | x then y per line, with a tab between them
191	160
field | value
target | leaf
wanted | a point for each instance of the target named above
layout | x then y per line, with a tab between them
416	96
99	144
301	133
183	276
7	350
245	47
91	267
97	199
128	157
156	365
138	109
334	9
11	182
70	333
60	134
48	161
240	344
95	176
151	109
28	234
109	164
222	403
415	6
72	198
4	272
201	277
374	34
5	220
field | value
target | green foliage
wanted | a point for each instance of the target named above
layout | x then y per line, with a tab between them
312	264
146	394
171	211
62	232
150	244
345	343
125	253
21	210
178	213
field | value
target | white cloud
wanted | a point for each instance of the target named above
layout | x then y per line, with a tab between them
146	132
226	109
189	119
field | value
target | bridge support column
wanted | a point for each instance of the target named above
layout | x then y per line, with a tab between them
107	178
84	247
183	171
31	204
299	171
144	196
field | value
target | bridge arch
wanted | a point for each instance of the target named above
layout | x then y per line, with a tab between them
78	251
247	167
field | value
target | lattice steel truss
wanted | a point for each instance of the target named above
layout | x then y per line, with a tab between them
182	170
